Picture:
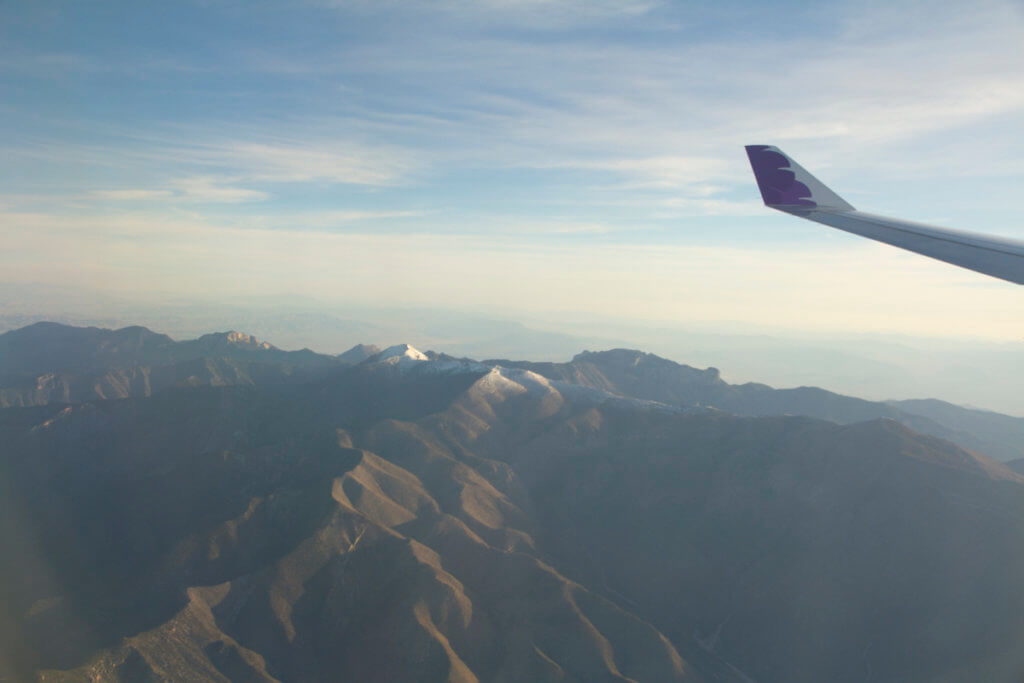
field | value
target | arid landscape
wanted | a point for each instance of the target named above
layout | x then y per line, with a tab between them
219	509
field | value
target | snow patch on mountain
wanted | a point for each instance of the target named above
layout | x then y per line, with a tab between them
406	359
400	351
498	382
507	382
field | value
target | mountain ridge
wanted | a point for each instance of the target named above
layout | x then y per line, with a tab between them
135	361
643	375
493	524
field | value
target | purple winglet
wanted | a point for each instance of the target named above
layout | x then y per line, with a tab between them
778	184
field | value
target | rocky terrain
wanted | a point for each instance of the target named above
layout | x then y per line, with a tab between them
418	517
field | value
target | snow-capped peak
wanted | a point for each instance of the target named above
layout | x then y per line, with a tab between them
404	358
401	351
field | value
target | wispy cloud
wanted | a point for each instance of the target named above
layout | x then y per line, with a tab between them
326	221
669	117
267	157
201	189
130	195
670	172
48	64
212	189
676	117
348	163
701	206
536	14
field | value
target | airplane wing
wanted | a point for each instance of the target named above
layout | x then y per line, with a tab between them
787	187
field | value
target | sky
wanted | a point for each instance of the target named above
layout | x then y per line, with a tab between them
552	157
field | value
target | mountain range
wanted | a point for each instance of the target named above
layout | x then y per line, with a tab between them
48	362
397	515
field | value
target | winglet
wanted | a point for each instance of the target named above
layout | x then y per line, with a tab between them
786	186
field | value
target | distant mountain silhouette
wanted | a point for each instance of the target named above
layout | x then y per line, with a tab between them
422	517
644	375
1000	436
51	363
52	347
359	353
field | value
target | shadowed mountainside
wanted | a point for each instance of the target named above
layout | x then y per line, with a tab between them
996	434
413	519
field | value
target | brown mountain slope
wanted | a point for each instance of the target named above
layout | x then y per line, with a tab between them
322	560
854	539
478	525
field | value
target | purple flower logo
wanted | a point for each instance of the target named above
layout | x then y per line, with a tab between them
778	184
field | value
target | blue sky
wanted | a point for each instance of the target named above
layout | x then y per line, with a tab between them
577	156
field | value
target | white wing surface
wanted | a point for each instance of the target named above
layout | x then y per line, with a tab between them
786	186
